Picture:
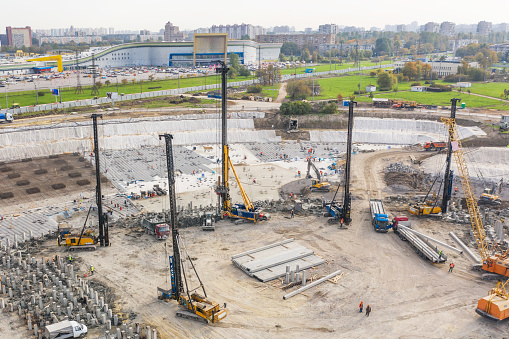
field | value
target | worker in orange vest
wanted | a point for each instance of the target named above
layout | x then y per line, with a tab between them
342	221
361	305
451	266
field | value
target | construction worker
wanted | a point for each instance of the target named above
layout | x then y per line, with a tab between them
440	255
342	221
451	267
368	311
456	189
70	259
292	213
361	305
91	270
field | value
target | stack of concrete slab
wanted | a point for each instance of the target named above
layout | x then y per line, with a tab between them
269	262
34	223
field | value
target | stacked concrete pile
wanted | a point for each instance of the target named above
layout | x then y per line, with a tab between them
44	292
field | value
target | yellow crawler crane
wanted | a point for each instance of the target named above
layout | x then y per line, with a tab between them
496	305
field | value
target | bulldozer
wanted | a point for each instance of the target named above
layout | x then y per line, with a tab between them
317	185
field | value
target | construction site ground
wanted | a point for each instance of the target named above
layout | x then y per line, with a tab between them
409	297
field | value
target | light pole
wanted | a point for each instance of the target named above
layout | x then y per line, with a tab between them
36	96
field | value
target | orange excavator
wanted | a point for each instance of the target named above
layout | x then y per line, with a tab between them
494	260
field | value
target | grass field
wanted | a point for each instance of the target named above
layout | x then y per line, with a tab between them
27	98
346	85
327	67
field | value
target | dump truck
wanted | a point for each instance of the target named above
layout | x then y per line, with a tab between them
208	221
6	117
65	329
160	229
379	218
434	146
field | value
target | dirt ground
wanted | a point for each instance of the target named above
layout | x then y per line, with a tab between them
410	297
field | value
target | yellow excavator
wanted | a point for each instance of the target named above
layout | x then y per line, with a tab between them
317	185
86	240
488	198
57	58
427	208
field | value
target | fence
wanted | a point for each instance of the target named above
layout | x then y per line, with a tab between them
169	92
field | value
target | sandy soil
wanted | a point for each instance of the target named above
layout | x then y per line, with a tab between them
410	297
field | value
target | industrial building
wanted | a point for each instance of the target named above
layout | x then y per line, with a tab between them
441	68
162	54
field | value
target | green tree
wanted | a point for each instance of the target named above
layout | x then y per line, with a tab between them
107	83
269	75
282	57
98	84
234	66
133	81
327	108
314	57
298	89
244	71
290	48
151	77
305	56
383	46
385	81
124	82
295	108
245	37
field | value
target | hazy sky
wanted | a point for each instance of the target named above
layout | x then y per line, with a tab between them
153	14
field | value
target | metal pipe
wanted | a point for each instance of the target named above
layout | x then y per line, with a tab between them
303	288
430	238
465	248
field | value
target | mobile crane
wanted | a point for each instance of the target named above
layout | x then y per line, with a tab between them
495	305
244	211
196	307
317	185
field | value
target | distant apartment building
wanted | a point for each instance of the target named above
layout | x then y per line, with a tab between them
431	27
144	32
328	29
466	28
441	68
172	33
447	28
19	37
455	44
504	48
503	27
236	32
401	28
69	39
313	41
484	28
281	29
308	30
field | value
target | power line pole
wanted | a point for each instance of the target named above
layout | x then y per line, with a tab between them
79	89
95	91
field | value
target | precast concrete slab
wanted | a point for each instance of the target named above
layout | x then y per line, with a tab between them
270	262
30	221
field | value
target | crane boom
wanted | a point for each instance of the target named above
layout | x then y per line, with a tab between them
317	172
247	201
473	209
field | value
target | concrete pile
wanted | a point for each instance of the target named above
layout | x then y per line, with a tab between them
399	167
43	292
